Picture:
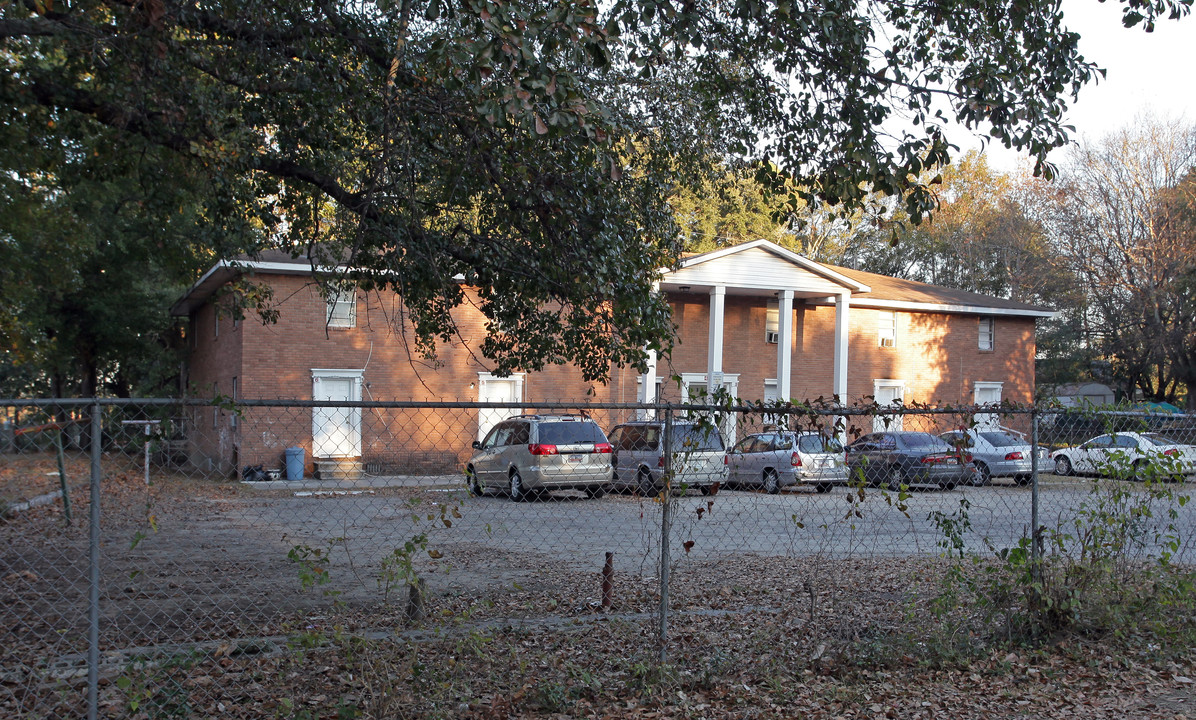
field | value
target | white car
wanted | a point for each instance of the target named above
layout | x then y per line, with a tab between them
1128	454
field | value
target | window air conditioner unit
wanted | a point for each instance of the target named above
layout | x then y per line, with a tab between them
886	342
772	336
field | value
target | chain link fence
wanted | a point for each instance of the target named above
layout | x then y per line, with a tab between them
154	551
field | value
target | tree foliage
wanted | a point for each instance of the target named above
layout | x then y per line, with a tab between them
1128	234
527	149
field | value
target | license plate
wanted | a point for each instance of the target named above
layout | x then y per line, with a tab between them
573	458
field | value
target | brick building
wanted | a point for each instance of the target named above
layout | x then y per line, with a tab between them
764	322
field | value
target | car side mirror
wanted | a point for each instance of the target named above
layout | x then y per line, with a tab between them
477	445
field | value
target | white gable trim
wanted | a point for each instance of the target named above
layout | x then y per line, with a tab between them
771	247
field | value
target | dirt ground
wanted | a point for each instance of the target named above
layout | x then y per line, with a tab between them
216	604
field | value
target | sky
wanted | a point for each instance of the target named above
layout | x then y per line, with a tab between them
1147	72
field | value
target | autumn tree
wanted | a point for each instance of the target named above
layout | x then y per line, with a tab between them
527	149
1127	232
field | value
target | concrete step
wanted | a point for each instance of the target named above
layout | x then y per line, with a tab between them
339	469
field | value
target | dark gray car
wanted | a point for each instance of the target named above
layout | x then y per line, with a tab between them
894	459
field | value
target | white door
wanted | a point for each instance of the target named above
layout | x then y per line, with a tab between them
335	431
693	389
497	390
987	393
888	393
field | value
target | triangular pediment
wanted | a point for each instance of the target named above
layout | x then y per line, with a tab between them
760	265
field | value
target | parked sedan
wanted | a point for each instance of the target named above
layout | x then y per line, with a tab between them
996	453
893	459
1130	455
774	460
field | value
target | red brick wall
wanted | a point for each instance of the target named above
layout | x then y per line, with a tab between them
936	355
214	361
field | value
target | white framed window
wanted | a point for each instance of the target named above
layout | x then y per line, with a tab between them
772	323
639	388
988	332
888	393
232	418
341	309
886	328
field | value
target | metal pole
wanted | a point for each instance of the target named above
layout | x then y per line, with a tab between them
93	560
665	532
1035	536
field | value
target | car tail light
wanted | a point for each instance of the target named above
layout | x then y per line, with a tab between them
603	448
726	461
935	459
967	457
1172	452
660	461
539	449
795	460
1014	456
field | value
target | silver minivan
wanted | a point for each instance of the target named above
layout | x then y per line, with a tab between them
699	456
774	460
529	454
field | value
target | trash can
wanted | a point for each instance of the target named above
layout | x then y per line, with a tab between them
294	457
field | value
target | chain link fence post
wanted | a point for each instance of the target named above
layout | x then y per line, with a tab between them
1035	535
665	532
93	561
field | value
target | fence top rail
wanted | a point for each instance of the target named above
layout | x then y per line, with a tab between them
825	408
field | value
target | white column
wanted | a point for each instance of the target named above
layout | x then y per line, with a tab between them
784	343
842	331
714	350
648	379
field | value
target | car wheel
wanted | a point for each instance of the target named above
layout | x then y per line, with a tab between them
475	487
984	476
895	479
772	483
1062	465
1140	471
515	487
644	485
595	492
822	488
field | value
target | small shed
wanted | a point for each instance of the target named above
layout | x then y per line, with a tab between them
1080	395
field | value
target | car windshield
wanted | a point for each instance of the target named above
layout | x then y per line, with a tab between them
1161	439
923	441
819	444
694	437
1002	439
570	433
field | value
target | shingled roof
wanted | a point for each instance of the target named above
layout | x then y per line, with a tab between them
889	290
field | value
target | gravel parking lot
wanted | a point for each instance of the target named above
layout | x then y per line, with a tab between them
220	555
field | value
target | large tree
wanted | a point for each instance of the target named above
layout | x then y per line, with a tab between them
1128	234
528	148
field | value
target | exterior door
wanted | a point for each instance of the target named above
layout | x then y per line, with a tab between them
987	393
888	392
335	431
497	390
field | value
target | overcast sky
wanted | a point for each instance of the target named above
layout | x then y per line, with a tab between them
1146	72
